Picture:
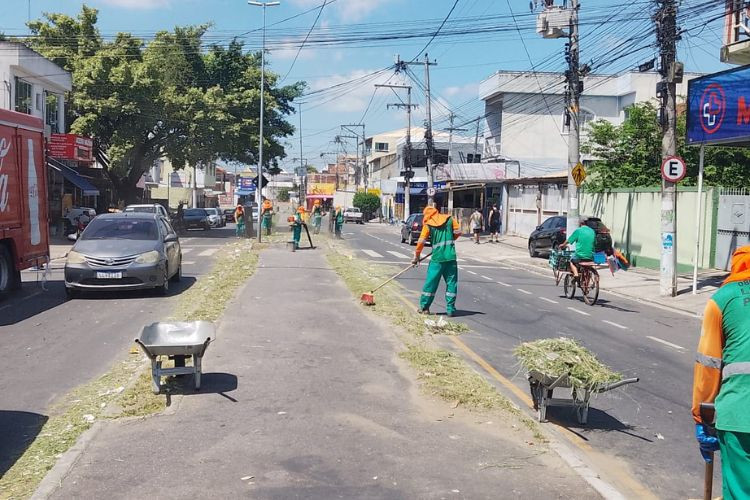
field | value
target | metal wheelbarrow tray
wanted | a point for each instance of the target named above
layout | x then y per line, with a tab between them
543	386
178	339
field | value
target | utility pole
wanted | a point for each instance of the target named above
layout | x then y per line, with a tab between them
572	115
363	166
259	187
407	173
476	140
303	166
452	129
666	33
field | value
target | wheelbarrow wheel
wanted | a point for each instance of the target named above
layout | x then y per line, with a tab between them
534	389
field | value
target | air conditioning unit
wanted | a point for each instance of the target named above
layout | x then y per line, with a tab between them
553	22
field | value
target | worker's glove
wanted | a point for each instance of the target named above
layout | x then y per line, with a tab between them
708	444
415	261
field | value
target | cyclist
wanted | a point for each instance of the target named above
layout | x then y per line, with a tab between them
584	238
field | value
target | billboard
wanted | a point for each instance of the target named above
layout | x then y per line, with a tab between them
321	188
71	147
718	108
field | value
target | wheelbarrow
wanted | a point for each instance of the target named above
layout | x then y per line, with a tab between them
177	340
543	386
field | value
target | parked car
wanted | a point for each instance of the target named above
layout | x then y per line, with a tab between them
552	233
229	215
215	217
124	251
411	228
195	218
353	214
153	208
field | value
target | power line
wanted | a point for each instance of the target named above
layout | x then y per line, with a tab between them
305	40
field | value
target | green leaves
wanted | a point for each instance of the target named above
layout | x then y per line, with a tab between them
170	97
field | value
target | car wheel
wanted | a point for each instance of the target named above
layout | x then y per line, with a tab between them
532	249
411	239
403	240
176	277
10	278
164	288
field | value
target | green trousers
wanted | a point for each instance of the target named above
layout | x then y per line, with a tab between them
436	270
296	234
735	464
266	224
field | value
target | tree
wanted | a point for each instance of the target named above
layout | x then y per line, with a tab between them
311	169
283	194
368	203
169	97
629	155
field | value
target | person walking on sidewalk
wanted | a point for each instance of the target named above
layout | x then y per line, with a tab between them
317	217
338	221
494	220
476	223
722	374
442	230
239	219
266	215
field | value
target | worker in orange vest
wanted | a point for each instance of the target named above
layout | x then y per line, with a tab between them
266	215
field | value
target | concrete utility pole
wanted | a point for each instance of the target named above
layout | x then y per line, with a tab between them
408	173
303	165
361	166
666	32
573	113
259	187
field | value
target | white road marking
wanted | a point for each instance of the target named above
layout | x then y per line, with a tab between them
186	250
524	291
502	283
398	255
486	277
670	344
372	253
471	272
188	262
616	325
208	252
548	300
583	313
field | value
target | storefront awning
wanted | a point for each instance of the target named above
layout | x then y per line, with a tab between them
75	178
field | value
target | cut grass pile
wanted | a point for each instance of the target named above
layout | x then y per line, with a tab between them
564	356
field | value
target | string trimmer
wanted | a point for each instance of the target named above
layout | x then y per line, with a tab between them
368	299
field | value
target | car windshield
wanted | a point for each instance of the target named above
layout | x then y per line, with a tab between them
149	210
195	212
121	229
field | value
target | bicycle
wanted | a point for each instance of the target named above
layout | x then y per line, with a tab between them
588	277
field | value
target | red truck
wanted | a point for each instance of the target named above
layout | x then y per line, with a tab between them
24	240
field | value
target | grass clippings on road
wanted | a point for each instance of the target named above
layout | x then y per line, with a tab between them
125	391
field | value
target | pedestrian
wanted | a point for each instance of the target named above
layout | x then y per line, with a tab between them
476	223
317	217
266	215
722	375
442	230
338	221
494	220
239	219
297	225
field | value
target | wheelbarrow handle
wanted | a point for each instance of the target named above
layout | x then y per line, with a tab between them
615	385
144	349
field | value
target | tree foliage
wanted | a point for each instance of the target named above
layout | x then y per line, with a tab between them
368	203
168	97
629	155
283	194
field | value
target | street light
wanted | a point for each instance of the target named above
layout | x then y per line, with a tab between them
262	106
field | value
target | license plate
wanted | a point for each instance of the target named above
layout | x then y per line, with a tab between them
109	275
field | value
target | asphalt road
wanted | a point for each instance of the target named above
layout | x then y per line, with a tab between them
50	345
645	425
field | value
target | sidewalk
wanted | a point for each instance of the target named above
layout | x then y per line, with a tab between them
304	397
636	283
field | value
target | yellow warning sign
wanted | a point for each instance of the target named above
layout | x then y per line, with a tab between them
579	174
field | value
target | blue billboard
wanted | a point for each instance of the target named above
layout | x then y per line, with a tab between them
718	108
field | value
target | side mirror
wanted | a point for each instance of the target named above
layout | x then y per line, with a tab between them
170	238
73	237
538	228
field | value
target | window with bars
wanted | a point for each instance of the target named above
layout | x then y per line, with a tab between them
23	96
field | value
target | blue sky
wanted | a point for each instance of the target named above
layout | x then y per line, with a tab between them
607	41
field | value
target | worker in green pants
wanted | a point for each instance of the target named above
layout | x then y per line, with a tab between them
266	216
297	226
442	230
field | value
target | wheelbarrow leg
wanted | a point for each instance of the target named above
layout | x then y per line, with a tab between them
197	365
155	376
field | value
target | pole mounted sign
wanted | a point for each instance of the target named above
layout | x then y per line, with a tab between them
673	169
719	108
579	174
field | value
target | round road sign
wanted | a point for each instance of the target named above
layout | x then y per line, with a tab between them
673	169
431	191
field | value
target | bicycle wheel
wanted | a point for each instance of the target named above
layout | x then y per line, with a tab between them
590	290
558	276
569	286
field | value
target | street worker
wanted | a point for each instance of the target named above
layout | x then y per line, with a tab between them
722	375
266	215
338	221
297	226
239	219
317	216
442	230
584	238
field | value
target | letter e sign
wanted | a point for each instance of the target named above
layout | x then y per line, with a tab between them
673	169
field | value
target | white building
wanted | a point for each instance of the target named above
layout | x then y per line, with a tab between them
527	125
33	85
